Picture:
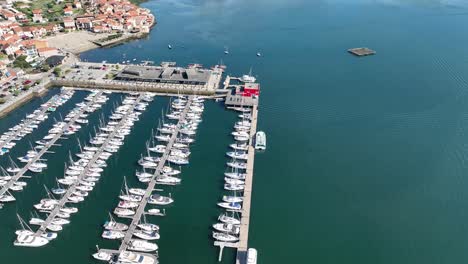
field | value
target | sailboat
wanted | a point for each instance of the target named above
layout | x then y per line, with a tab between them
126	196
26	230
147	226
225	218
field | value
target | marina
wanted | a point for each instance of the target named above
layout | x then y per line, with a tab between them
5	196
31	122
90	167
168	150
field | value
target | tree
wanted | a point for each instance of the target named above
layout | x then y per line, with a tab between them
45	67
57	71
21	62
2	100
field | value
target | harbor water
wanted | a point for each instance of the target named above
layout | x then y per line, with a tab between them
366	159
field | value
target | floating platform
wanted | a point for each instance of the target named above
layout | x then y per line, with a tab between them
360	52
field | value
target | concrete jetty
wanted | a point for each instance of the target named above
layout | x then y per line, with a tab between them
72	188
44	150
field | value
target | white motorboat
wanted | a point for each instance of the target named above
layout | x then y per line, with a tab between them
128	257
227	228
25	240
234	187
142	245
127	204
243	147
224	237
137	191
232	199
251	256
260	140
101	255
168	180
69	210
114	226
237	155
233	181
160	200
123	212
235	175
112	234
152	235
156	211
229	219
237	165
148	227
230	206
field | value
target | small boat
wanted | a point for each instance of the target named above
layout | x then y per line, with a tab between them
169	46
224	237
230	206
123	212
114	226
156	211
142	245
259	54
112	234
160	200
251	256
260	140
101	255
25	240
227	228
153	235
129	257
232	199
229	219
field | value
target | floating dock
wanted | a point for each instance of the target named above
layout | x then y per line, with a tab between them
242	244
44	150
72	188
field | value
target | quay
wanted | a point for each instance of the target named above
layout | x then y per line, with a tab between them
44	150
242	244
152	184
166	78
360	52
72	188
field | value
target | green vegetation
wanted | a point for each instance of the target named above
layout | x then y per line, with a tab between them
21	63
16	92
26	87
50	9
57	71
45	67
110	37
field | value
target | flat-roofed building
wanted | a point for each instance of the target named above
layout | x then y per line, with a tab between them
175	75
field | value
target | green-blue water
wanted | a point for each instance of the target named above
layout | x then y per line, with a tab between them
367	157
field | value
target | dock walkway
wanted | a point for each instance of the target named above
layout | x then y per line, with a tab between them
151	186
72	188
242	244
26	123
44	150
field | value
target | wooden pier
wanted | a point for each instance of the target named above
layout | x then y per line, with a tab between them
44	150
152	184
72	188
26	123
242	244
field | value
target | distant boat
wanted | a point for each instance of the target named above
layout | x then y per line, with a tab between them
226	50
169	46
259	54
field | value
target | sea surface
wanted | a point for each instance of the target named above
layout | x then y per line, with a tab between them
367	158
